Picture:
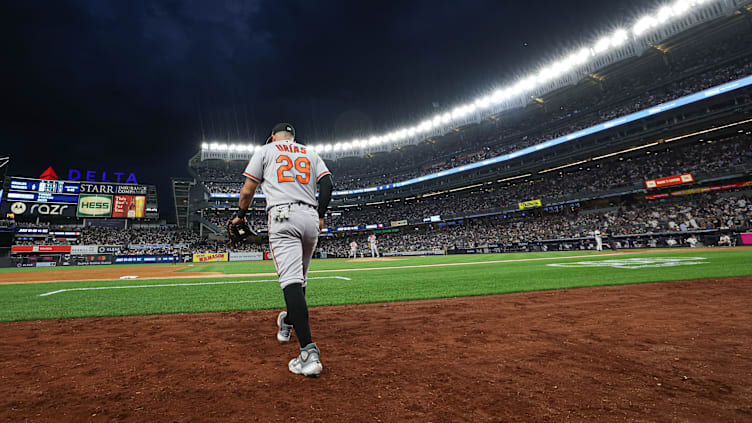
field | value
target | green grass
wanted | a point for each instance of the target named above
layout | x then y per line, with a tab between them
22	301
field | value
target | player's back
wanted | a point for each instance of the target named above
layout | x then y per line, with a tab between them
288	171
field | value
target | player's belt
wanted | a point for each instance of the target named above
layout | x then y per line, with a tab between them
300	203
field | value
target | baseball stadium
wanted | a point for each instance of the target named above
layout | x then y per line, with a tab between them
575	244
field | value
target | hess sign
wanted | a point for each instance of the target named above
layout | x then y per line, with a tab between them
94	206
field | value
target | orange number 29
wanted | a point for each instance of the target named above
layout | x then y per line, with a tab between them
302	165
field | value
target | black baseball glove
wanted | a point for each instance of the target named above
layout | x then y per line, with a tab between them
239	231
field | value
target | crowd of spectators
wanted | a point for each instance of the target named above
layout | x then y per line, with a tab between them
658	216
625	173
257	219
732	211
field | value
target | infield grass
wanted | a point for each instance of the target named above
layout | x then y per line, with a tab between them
371	281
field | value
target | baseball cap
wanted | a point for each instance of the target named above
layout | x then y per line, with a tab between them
279	128
283	127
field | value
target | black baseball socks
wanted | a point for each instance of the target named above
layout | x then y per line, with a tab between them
297	313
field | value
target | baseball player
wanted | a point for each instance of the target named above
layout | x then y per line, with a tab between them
353	250
374	245
289	173
724	240
598	240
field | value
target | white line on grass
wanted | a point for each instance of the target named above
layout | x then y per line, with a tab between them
178	284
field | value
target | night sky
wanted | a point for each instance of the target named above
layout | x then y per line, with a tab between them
135	86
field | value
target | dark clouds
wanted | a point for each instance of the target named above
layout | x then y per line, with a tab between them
135	85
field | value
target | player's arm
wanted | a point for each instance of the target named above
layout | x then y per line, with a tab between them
246	196
325	196
253	176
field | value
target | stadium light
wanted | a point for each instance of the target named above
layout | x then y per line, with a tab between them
581	56
337	146
327	147
680	7
644	24
619	37
602	45
204	146
483	102
664	13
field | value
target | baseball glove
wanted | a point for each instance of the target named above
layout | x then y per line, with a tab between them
239	231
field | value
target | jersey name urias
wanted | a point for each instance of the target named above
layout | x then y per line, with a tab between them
288	173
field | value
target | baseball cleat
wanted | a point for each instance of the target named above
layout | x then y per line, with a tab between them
283	333
307	363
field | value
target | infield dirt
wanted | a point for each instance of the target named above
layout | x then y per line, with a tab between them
671	351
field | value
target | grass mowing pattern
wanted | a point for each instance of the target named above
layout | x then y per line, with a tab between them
22	301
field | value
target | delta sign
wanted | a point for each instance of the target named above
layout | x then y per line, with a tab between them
91	176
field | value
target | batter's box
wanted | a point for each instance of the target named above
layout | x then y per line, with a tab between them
636	263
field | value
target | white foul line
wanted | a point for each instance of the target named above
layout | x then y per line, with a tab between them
178	284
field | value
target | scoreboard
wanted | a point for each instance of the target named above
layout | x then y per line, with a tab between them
28	196
44	186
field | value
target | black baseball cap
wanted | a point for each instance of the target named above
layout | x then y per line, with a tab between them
283	127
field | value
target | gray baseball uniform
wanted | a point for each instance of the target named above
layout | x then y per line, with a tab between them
289	173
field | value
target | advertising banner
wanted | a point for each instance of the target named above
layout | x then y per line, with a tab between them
746	238
399	223
94	205
700	190
148	246
144	259
669	180
40	249
84	249
209	257
108	249
20	208
416	253
530	204
93	259
246	256
32	230
129	206
131	189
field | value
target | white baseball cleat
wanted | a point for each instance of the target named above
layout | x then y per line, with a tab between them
307	363
283	333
